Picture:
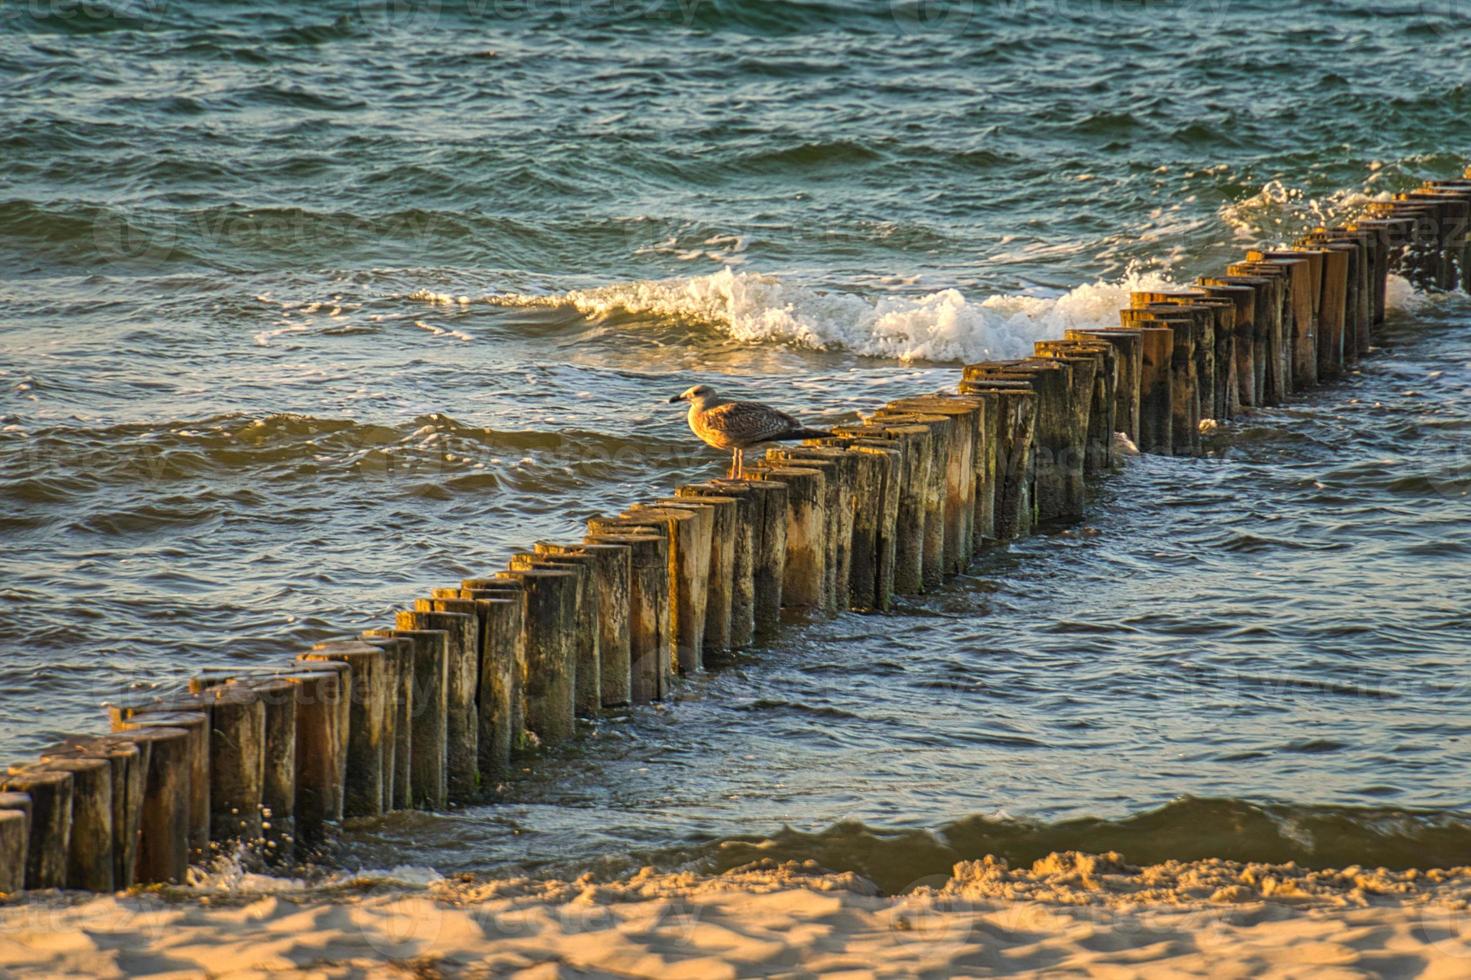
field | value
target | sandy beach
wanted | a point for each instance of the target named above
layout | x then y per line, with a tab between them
1069	914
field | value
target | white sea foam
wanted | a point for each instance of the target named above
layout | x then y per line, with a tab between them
1400	294
940	326
1278	213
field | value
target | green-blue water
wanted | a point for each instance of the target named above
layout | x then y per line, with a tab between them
305	309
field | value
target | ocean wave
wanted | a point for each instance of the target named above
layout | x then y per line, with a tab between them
941	326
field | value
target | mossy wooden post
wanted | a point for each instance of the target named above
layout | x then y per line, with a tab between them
910	483
959	445
804	558
1128	348
237	760
1092	384
163	838
1303	338
935	471
837	472
649	651
89	851
768	552
191	713
1239	393
689	532
15	839
720	580
127	767
278	771
740	570
1013	405
587	696
550	631
462	686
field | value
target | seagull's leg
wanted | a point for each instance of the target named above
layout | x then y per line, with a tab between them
735	464
740	463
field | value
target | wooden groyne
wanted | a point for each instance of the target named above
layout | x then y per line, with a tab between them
469	681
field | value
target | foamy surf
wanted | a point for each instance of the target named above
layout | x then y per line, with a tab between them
940	326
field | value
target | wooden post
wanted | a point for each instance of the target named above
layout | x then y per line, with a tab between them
740	569
649	653
1238	394
277	696
609	566
190	713
367	702
1391	235
398	754
49	849
934	472
488	588
910	483
429	721
1156	390
1128	347
768	551
498	614
838	472
89	851
462	686
1303	336
1093	383
163	845
392	660
550	636
804	560
1274	365
237	760
587	671
962	443
875	519
127	767
720	581
1016	418
15	836
1199	380
1057	487
1253	334
689	532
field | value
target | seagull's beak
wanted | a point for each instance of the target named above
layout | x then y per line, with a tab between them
675	398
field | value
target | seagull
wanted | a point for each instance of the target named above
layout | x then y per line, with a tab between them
738	426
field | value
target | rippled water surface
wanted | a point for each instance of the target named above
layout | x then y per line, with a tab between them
307	309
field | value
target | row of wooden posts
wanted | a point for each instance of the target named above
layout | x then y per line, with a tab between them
438	708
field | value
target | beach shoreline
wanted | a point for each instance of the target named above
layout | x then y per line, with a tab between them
1070	913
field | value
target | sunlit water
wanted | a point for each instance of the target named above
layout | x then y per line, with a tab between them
306	311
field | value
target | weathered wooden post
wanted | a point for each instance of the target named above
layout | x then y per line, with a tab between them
319	764
493	587
427	699
804	557
1253	345
49	849
550	637
15	836
191	713
1016	410
88	854
689	532
1391	236
720	579
1240	376
1128	347
645	675
1156	375
740	569
587	671
1275	367
163	844
393	662
127	767
462	686
1056	470
278	772
1093	382
237	746
499	613
1301	338
837	533
398	774
610	567
935	470
1184	307
769	552
367	702
960	446
911	481
875	520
